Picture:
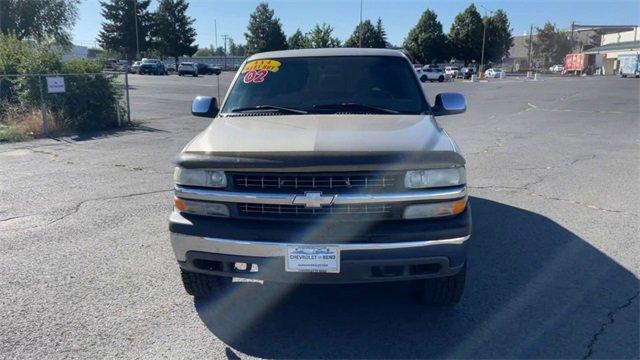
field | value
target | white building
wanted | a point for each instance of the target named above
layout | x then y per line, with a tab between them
614	43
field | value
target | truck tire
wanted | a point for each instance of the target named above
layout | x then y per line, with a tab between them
444	291
201	285
441	78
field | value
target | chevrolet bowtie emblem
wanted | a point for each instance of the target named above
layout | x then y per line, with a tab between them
313	199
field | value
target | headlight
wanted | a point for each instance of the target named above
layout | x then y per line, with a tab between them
199	177
440	209
417	179
201	207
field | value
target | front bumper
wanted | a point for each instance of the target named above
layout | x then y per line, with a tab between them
392	251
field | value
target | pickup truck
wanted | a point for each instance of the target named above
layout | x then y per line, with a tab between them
323	166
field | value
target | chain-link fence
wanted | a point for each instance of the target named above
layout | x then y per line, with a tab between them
74	102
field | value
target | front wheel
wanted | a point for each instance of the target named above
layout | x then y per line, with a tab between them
444	291
201	285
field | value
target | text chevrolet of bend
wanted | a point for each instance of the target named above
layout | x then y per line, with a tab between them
323	166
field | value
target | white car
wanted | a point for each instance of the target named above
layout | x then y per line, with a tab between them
493	73
557	68
452	71
435	74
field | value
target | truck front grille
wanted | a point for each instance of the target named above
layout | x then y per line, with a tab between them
345	212
337	182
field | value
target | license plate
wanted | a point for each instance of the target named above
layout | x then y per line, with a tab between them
322	259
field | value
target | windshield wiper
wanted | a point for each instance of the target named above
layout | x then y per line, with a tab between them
269	107
355	107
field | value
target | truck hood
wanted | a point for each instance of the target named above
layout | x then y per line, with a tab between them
306	137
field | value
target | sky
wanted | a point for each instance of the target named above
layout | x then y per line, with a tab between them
398	16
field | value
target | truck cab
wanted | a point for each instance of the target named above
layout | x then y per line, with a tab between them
323	166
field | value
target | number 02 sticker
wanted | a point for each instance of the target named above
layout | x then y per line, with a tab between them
255	76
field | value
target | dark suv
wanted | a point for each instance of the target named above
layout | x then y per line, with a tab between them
152	66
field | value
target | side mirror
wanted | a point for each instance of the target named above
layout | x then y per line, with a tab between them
424	78
204	106
449	104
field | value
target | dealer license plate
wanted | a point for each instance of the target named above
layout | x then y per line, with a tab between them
323	259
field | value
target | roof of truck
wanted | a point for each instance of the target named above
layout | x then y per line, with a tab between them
327	52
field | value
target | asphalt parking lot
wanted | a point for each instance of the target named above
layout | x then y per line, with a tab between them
87	270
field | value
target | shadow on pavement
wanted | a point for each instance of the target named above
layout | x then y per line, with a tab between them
534	289
114	132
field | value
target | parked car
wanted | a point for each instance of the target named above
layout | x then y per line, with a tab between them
435	74
187	68
557	68
493	73
206	69
452	71
171	67
152	66
366	187
466	72
134	69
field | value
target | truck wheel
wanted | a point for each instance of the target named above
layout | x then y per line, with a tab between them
444	291
441	78
201	285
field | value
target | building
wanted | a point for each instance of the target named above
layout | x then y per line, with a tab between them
616	41
76	52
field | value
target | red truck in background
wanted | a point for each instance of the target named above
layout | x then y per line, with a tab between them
574	63
579	64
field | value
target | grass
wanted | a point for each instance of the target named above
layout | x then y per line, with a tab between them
19	124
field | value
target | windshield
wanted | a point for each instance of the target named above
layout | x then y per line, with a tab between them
329	84
150	61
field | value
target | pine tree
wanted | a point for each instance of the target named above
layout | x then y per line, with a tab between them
298	40
426	42
264	32
173	33
118	32
321	37
498	39
372	36
465	35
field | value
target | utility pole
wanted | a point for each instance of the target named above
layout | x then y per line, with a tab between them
484	33
215	31
573	25
224	37
360	26
135	19
530	46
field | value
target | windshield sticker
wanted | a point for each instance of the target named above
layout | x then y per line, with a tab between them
256	71
270	65
255	76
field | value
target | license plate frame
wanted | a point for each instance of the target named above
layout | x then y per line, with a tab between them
312	259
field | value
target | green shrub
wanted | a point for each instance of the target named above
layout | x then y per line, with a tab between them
90	98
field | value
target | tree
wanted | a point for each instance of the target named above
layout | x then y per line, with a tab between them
219	51
264	32
372	37
320	37
39	19
172	32
235	49
118	32
465	35
298	41
498	39
550	45
204	52
426	42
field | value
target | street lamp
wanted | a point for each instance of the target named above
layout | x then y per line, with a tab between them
484	32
